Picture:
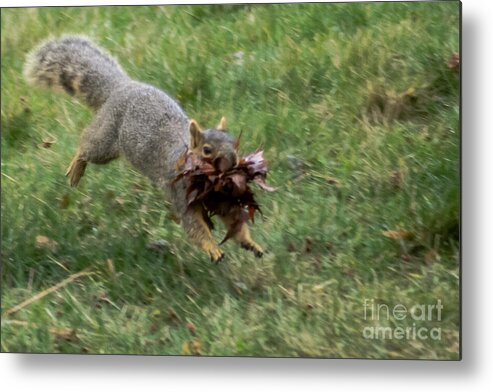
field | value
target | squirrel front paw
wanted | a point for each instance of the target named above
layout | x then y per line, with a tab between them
216	255
213	250
253	247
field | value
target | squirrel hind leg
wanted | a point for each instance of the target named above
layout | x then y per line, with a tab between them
76	169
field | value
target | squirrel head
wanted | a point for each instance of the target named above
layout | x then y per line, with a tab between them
215	145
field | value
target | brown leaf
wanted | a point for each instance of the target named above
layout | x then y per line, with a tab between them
308	244
172	316
333	181
47	143
68	334
185	349
192	348
65	201
239	184
431	256
192	196
396	179
292	247
397	234
44	242
223	193
405	258
196	347
255	163
454	62
251	213
191	327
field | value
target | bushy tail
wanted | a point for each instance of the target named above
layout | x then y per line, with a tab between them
77	66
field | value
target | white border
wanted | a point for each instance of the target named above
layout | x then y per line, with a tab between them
88	373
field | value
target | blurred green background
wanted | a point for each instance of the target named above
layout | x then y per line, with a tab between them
357	109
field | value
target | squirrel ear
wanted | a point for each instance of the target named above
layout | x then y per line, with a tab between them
195	133
222	124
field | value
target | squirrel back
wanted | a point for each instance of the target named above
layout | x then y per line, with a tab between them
77	66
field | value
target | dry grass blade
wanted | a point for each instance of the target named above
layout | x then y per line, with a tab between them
69	334
45	292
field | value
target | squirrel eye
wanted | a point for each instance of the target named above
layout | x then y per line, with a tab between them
206	150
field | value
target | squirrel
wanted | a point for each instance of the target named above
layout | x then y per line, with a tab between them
137	121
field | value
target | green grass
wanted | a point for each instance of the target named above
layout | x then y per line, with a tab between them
358	114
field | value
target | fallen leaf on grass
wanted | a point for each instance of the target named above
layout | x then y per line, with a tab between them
308	244
172	315
47	143
292	247
334	181
43	241
65	201
68	334
196	347
405	258
191	327
185	349
454	62
192	348
431	256
396	179
397	234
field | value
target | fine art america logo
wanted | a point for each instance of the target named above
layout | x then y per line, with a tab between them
400	316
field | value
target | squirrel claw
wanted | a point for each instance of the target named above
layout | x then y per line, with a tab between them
252	247
217	256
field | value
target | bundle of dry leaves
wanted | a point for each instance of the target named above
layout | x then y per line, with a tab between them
224	193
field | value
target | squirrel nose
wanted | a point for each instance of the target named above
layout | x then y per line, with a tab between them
225	162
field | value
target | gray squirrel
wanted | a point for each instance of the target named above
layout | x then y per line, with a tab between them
137	121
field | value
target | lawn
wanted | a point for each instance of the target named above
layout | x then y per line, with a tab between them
357	109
